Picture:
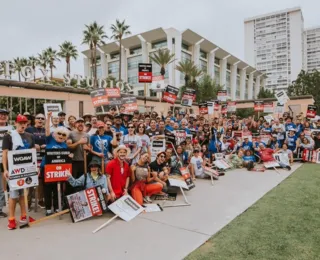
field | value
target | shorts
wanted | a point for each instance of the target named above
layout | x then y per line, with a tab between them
16	194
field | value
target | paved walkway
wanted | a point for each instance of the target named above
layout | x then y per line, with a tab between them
171	234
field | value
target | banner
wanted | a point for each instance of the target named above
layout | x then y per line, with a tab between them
130	104
232	106
126	208
224	109
203	108
311	111
282	97
86	204
268	107
170	94
55	108
22	167
113	92
258	106
210	107
157	84
99	97
58	164
188	97
279	109
187	177
145	72
222	95
157	146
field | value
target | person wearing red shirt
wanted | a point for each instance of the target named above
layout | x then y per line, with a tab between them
118	173
266	155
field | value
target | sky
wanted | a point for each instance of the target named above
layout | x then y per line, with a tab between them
30	26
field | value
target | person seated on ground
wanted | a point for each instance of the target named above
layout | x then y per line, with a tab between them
205	152
287	159
159	168
248	159
266	155
236	160
182	155
316	140
92	179
224	148
189	146
144	184
304	144
197	165
273	142
246	144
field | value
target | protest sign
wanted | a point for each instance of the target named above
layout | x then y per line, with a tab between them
268	107
178	183
99	97
113	92
170	94
152	208
3	131
224	109
268	118
22	169
86	204
210	107
157	146
55	108
130	104
222	95
203	108
310	156
187	177
145	72
212	173
216	105
271	164
222	164
282	97
170	137
258	106
311	111
126	208
157	84
279	109
188	97
232	106
58	164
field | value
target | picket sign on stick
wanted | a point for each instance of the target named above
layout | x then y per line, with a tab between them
181	184
59	198
50	217
102	159
105	224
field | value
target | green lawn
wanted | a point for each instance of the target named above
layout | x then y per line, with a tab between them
284	224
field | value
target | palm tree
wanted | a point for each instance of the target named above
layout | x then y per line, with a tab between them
43	60
195	73
18	64
162	57
119	30
51	56
33	62
93	36
68	51
185	67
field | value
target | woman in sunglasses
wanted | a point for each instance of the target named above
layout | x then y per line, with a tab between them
55	140
144	183
145	140
132	141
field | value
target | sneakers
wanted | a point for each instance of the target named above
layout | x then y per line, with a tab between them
48	212
3	215
288	167
23	220
41	204
147	199
12	224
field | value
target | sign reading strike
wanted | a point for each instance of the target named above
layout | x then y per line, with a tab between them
258	106
22	169
99	97
58	164
311	111
86	204
170	95
145	72
130	104
55	108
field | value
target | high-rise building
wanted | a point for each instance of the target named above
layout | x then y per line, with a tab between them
274	45
241	80
312	46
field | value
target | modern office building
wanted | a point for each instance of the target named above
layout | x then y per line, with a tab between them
241	80
312	46
274	45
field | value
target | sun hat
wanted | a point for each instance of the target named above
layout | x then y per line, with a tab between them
122	147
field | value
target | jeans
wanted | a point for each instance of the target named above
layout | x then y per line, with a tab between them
2	197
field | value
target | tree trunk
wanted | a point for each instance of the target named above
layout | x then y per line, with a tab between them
120	41
34	73
162	71
51	71
95	67
19	76
68	65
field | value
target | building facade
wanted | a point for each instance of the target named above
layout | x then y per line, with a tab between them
241	80
312	38
274	45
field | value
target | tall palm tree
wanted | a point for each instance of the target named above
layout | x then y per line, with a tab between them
162	57
33	62
119	29
43	60
52	56
185	67
68	51
18	64
93	36
195	73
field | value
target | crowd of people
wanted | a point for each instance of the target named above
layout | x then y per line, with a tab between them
118	147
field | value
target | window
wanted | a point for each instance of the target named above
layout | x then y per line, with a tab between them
185	56
141	93
134	51
134	61
185	47
113	67
203	54
204	66
152	93
217	61
159	44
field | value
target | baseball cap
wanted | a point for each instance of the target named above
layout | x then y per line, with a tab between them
26	114
61	113
79	119
4	111
21	119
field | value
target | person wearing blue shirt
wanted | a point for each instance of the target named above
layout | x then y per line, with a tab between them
247	145
273	142
168	127
100	137
289	125
291	140
118	127
183	126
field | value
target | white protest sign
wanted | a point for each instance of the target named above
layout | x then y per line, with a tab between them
268	118
271	164
157	84
157	146
55	108
152	208
282	97
178	183
210	107
126	208
22	169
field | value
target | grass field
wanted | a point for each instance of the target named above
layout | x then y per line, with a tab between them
284	224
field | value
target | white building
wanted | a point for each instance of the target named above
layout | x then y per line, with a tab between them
312	46
274	44
241	80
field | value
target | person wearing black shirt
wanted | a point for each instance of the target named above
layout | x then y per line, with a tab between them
159	167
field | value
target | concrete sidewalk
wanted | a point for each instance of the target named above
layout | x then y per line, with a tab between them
171	234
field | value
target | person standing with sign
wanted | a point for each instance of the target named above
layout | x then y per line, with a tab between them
16	140
133	142
118	173
4	128
55	140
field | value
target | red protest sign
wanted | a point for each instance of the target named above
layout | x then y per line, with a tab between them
130	104
311	111
258	106
203	108
170	95
113	92
145	72
99	97
56	172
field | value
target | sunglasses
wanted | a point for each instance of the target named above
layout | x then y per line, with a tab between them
141	127
40	118
108	125
130	127
63	134
162	156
